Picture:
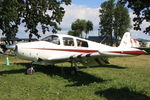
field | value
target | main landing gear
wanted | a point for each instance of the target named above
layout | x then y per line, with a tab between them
74	67
30	70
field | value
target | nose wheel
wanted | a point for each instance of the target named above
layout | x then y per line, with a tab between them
30	71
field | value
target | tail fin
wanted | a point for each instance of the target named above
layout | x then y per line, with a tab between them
125	42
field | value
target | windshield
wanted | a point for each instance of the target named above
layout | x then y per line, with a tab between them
53	39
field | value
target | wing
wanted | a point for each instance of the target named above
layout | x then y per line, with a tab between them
84	58
91	59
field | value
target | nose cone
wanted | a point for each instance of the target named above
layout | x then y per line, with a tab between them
13	46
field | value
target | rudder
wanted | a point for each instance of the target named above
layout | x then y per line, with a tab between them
125	42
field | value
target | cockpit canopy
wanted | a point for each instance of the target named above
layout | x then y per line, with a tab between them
53	39
66	40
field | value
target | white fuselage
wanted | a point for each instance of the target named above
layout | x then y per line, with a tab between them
51	52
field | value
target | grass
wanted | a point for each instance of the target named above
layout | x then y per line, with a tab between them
123	79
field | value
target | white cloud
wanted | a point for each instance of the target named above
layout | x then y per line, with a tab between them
139	34
21	33
74	12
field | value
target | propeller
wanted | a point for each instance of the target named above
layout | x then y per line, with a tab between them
8	49
3	47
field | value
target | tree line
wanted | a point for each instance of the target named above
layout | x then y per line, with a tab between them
114	17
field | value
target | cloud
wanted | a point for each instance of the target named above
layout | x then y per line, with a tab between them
74	12
139	34
21	32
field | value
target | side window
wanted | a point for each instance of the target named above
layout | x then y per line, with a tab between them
68	41
81	43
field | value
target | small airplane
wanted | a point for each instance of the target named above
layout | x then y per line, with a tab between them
59	48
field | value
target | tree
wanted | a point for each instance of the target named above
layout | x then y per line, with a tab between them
33	13
114	20
142	10
106	19
9	17
121	20
75	33
89	27
80	26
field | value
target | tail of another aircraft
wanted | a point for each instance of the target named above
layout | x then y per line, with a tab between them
125	42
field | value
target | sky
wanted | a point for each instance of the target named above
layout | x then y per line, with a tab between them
88	3
88	10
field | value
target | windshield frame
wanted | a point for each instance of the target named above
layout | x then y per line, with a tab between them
52	39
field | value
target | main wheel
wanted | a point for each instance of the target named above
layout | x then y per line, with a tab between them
30	71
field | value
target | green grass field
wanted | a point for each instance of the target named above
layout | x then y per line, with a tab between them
124	79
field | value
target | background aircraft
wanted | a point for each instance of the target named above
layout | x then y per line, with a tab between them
65	48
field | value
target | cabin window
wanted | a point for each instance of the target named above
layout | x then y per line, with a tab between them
68	41
53	39
81	43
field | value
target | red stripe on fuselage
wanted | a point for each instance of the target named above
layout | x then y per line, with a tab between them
69	50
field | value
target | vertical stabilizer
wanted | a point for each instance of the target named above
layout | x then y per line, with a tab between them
125	42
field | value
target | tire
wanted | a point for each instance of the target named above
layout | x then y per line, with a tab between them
30	71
